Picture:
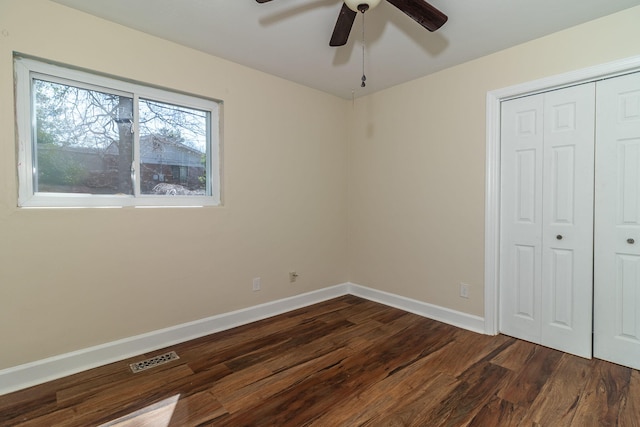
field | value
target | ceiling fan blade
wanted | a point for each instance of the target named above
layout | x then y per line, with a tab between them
262	1
343	26
421	12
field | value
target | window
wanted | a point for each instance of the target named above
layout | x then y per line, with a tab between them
88	140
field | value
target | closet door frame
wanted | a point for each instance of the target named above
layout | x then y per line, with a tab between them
492	179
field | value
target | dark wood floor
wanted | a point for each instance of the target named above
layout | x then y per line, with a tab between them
345	362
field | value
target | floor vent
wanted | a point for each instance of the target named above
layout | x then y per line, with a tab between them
152	362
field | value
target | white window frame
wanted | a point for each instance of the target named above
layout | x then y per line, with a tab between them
26	69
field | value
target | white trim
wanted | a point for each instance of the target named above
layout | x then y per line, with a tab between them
435	312
492	217
492	180
40	371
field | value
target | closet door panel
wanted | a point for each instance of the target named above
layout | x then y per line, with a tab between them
521	217
617	222
567	236
547	218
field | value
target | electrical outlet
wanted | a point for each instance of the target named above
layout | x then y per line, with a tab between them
464	290
256	284
292	276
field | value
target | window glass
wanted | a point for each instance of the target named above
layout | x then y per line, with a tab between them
83	140
173	154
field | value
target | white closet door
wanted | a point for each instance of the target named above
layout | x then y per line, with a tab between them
521	217
547	218
617	222
567	223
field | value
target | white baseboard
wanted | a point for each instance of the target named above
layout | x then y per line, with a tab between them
435	312
41	371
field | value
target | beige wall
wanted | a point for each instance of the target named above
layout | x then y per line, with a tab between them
417	164
70	279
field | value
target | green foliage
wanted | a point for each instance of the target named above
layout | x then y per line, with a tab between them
57	167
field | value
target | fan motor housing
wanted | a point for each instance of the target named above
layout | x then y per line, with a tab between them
361	5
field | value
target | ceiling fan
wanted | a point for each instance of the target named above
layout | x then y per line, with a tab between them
419	10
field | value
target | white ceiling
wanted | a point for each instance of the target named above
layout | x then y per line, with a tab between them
290	38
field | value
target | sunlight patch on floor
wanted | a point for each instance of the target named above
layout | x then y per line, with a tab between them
156	415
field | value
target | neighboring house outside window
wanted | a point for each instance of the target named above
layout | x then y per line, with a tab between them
89	140
164	160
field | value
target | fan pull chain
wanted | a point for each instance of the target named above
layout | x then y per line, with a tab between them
364	78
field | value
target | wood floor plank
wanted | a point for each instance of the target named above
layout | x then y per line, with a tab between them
466	400
524	387
62	417
344	362
370	310
469	347
262	350
26	404
415	408
350	338
251	350
559	397
516	356
498	412
630	414
383	396
602	401
256	393
459	405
